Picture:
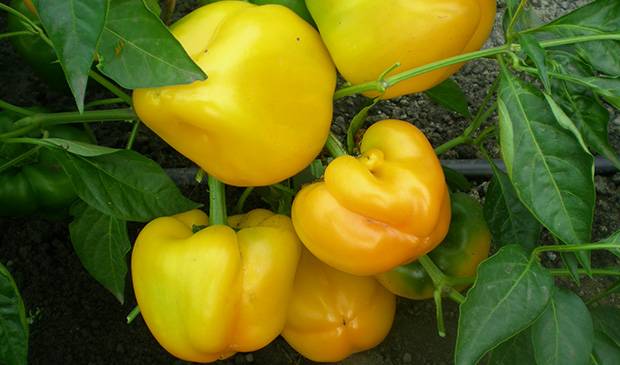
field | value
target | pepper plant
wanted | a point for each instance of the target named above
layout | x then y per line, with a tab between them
558	85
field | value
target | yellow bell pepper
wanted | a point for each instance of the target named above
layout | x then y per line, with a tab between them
366	37
209	294
384	209
333	314
269	91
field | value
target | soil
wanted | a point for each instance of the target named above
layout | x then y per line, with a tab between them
76	321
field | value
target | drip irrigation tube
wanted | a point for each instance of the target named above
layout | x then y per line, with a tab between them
470	168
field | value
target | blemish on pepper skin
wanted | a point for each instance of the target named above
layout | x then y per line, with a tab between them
298	39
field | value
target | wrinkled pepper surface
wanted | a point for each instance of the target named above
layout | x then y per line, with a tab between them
269	91
333	314
38	54
367	37
37	185
468	243
378	211
209	294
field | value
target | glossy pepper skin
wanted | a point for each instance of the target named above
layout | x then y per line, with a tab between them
209	294
38	54
333	314
38	185
269	91
378	211
367	37
468	243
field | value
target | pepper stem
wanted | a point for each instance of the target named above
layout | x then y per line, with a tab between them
217	201
437	276
441	327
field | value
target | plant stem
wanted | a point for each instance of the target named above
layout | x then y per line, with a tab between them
379	85
483	135
334	147
515	16
217	201
480	115
16	109
451	144
440	280
610	290
16	34
456	296
579	39
19	159
37	121
100	102
133	314
110	86
601	272
441	326
575	248
132	135
242	199
465	138
9	9
28	22
437	276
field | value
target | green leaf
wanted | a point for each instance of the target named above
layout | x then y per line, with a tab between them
357	122
598	17
613	101
527	19
153	6
74	27
313	172
536	53
510	292
605	351
585	110
101	242
450	95
124	185
78	148
563	333
572	264
564	120
508	219
607	320
13	323
606	87
516	351
137	50
278	197
456	181
551	172
614	238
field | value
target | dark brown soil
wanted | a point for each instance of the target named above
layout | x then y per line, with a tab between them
76	321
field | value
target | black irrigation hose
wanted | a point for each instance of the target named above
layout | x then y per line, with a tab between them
481	168
470	168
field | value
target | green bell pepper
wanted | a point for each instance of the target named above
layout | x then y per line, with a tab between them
468	243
